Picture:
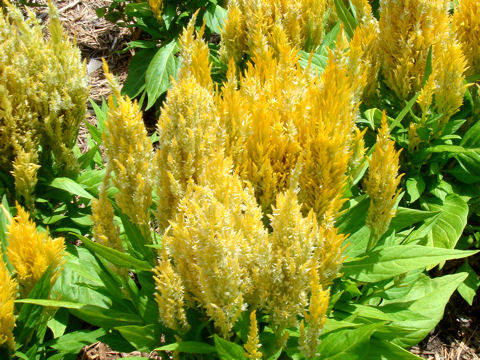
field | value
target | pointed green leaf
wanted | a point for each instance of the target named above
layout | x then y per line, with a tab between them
391	261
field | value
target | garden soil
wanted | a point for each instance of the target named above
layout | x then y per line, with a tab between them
457	337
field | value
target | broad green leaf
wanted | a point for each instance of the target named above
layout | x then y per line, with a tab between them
357	243
452	220
215	17
428	67
430	307
469	287
415	186
355	217
135	81
227	350
348	344
469	162
58	324
106	318
332	324
191	347
142	338
73	342
385	350
114	256
159	71
391	261
71	187
406	217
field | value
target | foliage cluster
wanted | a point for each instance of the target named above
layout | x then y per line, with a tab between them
309	168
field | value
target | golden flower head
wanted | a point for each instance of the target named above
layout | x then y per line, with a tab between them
382	182
129	154
8	289
466	26
31	252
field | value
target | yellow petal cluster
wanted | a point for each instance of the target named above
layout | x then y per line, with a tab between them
407	31
8	290
25	168
253	26
466	26
253	344
382	182
31	252
213	242
188	128
129	155
157	8
315	318
44	91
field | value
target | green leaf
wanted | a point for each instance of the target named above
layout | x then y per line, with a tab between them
58	324
385	350
227	350
135	81
106	318
430	307
452	220
73	342
71	187
347	18
348	344
406	217
469	287
159	71
415	186
468	170
51	303
405	111
428	67
114	256
142	338
395	260
191	347
215	17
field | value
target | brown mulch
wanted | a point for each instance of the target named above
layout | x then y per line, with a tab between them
100	351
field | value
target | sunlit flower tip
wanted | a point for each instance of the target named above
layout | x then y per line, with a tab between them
25	169
253	345
7	319
315	318
129	154
31	252
194	55
157	8
466	26
382	182
408	29
169	296
425	98
104	228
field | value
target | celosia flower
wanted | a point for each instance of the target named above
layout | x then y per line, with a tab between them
157	8
253	26
170	296
253	344
25	167
194	56
407	31
187	131
44	91
104	228
315	318
382	182
129	155
31	253
466	26
7	320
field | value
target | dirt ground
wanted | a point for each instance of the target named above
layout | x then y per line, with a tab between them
457	337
